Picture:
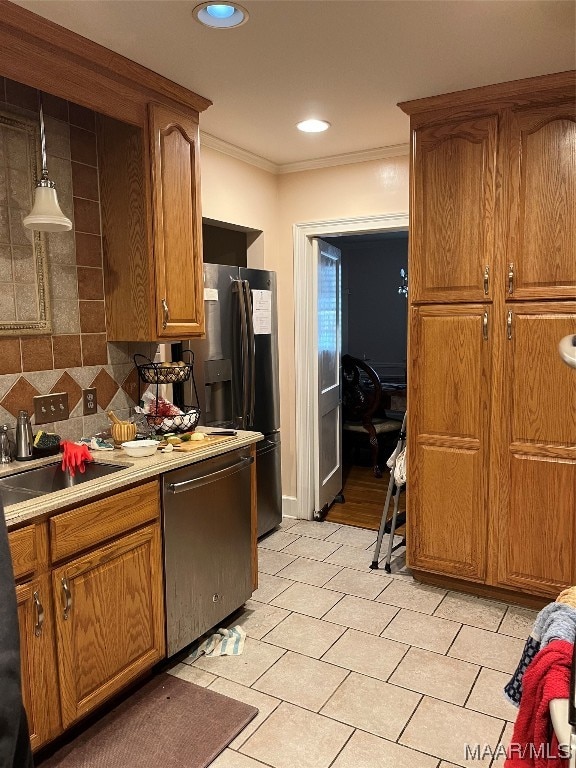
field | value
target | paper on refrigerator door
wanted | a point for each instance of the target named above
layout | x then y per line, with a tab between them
262	311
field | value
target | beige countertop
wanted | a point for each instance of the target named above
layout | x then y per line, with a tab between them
136	471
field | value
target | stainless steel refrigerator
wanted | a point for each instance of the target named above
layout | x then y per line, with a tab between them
236	370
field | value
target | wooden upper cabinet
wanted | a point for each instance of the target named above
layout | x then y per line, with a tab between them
452	211
448	451
540	184
151	226
177	226
536	536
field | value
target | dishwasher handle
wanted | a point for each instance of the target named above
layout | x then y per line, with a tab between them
212	477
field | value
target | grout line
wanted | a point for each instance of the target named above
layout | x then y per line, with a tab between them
343	747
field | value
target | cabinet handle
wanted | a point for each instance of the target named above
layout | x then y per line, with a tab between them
39	615
486	280
485	326
511	279
509	326
166	313
67	598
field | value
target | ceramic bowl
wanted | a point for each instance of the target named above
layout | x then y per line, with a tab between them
139	448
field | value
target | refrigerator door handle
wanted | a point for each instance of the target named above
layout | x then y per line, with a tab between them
244	345
252	354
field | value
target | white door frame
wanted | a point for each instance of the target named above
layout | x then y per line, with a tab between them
305	337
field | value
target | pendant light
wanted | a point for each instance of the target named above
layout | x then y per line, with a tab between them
46	214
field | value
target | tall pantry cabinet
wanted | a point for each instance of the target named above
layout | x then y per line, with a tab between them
492	414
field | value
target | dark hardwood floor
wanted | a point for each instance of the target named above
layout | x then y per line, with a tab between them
364	497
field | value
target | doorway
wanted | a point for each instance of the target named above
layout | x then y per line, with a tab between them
374	330
306	337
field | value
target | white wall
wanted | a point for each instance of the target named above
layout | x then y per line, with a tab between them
236	192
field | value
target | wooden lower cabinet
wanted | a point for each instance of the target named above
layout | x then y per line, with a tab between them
448	444
536	536
109	619
93	622
39	680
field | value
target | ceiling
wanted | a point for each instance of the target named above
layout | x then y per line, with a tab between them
346	62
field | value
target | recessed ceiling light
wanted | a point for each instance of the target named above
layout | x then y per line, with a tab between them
313	126
220	15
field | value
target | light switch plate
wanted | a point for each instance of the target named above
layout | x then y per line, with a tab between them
89	402
52	407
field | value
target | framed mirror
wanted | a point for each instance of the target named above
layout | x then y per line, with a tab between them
24	294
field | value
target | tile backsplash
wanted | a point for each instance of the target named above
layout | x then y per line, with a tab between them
77	354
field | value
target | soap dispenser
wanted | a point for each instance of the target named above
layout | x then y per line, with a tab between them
24	437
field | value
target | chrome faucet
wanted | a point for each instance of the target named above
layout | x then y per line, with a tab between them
5	455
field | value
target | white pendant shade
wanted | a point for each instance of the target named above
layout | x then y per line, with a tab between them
46	214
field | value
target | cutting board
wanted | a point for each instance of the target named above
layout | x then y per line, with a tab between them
195	445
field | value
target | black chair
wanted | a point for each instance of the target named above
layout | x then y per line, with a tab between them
361	394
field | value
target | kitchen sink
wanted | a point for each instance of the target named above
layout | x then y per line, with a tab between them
51	477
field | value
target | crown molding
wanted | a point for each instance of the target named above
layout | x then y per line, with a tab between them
213	142
363	156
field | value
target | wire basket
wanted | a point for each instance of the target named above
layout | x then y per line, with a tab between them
185	422
162	373
169	373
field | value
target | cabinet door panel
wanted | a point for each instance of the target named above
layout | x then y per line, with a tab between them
447	499
39	682
114	626
542	202
538	493
448	440
543	406
452	225
177	223
538	552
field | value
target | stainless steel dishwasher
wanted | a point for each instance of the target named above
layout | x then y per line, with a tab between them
207	549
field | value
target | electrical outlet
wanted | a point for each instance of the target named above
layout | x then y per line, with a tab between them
49	408
89	402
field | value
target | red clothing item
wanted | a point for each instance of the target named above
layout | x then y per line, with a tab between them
534	744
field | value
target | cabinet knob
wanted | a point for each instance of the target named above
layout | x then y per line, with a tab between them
509	326
486	280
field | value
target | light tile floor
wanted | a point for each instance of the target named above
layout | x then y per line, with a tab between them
352	668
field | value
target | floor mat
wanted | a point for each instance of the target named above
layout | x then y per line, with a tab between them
168	722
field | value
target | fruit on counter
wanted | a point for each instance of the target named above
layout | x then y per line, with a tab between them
174	440
197	436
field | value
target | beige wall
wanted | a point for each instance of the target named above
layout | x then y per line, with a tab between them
345	191
236	192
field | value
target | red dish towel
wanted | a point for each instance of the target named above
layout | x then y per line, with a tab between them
534	744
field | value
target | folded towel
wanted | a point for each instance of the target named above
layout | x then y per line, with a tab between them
97	444
567	596
224	642
513	689
557	621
